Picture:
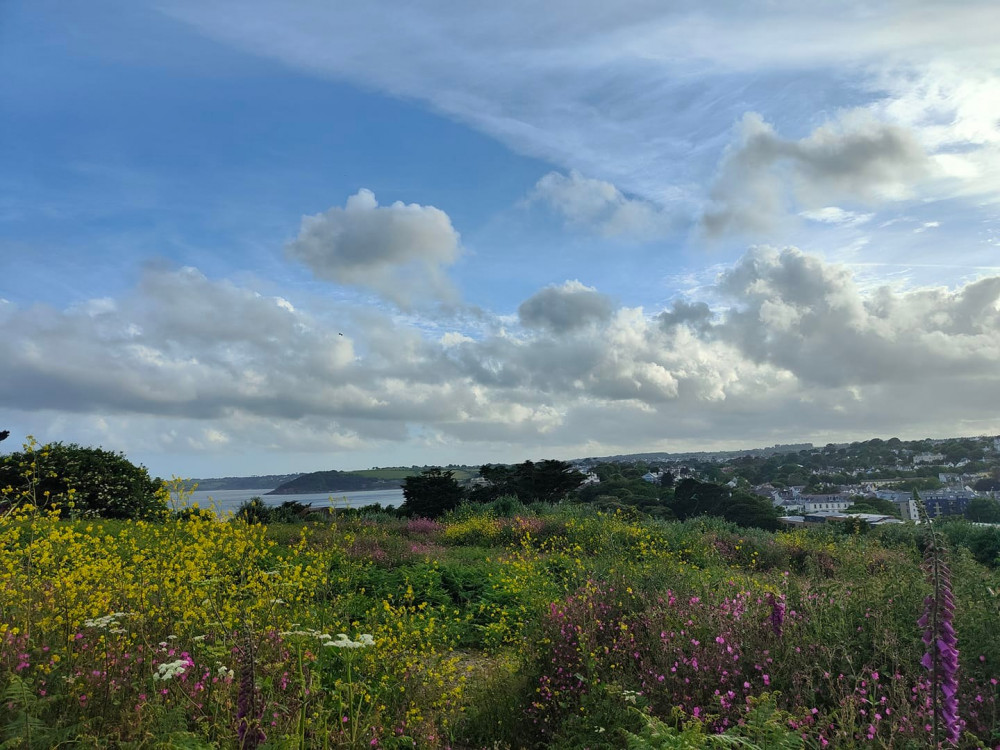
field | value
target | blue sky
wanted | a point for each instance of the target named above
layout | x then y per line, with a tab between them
246	237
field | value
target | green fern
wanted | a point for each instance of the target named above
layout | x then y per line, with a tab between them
766	728
24	729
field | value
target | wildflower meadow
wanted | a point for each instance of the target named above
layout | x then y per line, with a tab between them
497	626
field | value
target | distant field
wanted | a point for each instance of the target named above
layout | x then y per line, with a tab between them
399	472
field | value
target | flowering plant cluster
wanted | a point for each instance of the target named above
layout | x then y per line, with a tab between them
558	626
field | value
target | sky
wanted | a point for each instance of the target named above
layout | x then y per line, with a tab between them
245	237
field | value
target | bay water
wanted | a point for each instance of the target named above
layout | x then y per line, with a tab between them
224	501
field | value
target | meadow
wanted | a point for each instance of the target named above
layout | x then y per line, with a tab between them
499	626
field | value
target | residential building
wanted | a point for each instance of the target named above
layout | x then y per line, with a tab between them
946	502
813	503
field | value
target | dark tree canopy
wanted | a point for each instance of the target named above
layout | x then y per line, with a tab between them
87	481
987	485
547	481
693	498
983	510
432	493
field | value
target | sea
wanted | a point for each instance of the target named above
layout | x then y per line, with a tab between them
224	501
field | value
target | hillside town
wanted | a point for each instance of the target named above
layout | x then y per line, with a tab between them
876	481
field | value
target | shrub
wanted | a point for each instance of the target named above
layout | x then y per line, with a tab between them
83	481
431	494
254	511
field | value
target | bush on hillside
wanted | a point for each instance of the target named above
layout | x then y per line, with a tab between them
80	481
431	494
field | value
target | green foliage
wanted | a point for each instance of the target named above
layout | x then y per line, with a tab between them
546	481
989	484
917	483
254	511
874	505
24	727
766	728
500	625
81	481
431	494
693	498
983	510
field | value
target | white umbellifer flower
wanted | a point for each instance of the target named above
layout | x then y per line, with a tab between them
171	669
104	622
224	672
342	641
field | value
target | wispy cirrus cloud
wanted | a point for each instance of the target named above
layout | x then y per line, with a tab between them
644	96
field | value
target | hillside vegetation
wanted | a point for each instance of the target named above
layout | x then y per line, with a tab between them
500	626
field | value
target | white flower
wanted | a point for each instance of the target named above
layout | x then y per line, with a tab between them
169	670
104	622
342	641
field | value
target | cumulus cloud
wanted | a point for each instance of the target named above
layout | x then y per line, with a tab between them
796	312
601	207
565	307
763	174
792	346
695	315
400	251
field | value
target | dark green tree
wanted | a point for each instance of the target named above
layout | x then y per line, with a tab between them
987	485
983	510
81	481
546	481
431	494
693	498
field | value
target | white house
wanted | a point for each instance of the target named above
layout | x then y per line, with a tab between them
813	503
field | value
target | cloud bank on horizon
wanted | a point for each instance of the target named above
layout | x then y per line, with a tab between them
702	228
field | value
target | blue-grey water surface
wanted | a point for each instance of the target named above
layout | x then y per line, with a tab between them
229	500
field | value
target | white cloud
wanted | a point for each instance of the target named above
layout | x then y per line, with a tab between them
836	215
643	94
565	307
763	174
601	207
793	311
400	251
795	346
